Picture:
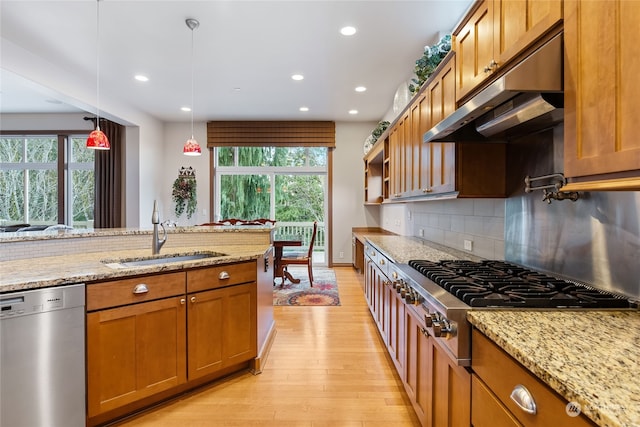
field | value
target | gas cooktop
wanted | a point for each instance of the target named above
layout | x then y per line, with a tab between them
502	284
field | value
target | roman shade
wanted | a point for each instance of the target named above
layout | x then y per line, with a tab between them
271	134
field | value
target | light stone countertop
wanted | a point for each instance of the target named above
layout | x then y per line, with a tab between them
588	357
50	271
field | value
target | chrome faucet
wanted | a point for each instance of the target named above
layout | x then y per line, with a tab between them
156	244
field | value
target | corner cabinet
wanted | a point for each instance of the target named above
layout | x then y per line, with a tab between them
495	32
602	97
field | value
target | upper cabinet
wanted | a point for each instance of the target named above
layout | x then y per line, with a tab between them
495	32
602	97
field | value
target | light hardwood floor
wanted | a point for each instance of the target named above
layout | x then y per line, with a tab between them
327	367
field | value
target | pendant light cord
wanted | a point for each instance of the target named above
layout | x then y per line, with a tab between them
98	65
192	29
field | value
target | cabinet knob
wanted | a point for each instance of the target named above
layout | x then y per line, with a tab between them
223	275
381	262
427	190
193	299
523	398
493	64
140	289
182	301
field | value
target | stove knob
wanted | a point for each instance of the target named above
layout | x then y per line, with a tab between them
442	328
437	329
410	297
428	319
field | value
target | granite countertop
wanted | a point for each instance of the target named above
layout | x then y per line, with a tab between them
88	267
589	357
402	249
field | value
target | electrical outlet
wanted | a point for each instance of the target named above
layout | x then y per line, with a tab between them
468	245
341	255
421	232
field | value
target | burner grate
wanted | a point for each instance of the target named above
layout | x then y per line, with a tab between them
502	284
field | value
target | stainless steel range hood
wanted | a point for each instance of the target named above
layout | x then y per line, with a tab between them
526	99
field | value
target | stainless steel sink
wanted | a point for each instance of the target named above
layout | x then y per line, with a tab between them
160	259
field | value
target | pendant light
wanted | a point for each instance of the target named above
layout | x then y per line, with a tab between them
97	139
191	147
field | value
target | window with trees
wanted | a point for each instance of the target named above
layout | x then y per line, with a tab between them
287	184
46	179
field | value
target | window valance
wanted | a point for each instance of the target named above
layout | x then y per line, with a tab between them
271	134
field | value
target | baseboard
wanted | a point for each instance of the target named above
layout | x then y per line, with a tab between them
261	359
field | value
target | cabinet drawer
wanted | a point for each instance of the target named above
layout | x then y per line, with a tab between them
134	290
501	373
220	276
486	410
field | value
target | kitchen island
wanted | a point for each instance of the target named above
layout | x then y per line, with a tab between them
205	299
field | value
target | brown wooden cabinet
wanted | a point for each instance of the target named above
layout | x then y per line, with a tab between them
149	337
438	388
495	32
137	350
373	175
496	376
601	148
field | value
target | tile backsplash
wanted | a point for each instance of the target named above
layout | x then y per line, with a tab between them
452	222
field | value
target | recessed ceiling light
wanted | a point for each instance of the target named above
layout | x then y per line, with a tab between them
347	31
236	89
304	109
185	109
297	77
353	111
141	78
361	89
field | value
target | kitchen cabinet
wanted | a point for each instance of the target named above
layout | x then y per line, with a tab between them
601	148
420	170
373	163
357	254
221	318
138	349
149	337
494	33
496	376
438	388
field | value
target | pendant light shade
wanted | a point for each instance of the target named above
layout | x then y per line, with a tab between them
97	139
191	147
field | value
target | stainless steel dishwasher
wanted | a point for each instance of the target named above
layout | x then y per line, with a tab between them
42	363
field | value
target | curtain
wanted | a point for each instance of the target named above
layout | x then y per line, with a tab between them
108	178
271	134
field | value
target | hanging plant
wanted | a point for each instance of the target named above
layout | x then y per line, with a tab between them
429	61
184	192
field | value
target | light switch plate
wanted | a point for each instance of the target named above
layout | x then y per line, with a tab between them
468	245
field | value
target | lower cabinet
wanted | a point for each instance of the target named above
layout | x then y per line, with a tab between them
134	352
504	393
439	390
150	337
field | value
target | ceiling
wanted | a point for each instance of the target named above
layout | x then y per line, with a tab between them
244	54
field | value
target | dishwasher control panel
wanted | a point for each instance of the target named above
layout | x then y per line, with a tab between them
36	301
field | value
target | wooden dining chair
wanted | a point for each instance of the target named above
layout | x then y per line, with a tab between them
302	258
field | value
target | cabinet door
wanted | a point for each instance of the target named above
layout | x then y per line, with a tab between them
442	156
397	331
221	328
517	24
487	411
474	49
450	391
417	365
134	352
395	158
416	145
602	96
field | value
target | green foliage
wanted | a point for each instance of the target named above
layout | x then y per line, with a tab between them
428	62
379	130
184	195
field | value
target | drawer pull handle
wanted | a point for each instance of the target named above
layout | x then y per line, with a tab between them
521	396
223	275
140	289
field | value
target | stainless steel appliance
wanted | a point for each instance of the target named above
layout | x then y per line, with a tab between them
444	291
42	357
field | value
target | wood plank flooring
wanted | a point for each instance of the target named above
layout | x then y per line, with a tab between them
327	367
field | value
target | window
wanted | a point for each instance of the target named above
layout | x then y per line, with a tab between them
287	184
46	179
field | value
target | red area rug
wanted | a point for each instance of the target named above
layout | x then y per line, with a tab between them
324	291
